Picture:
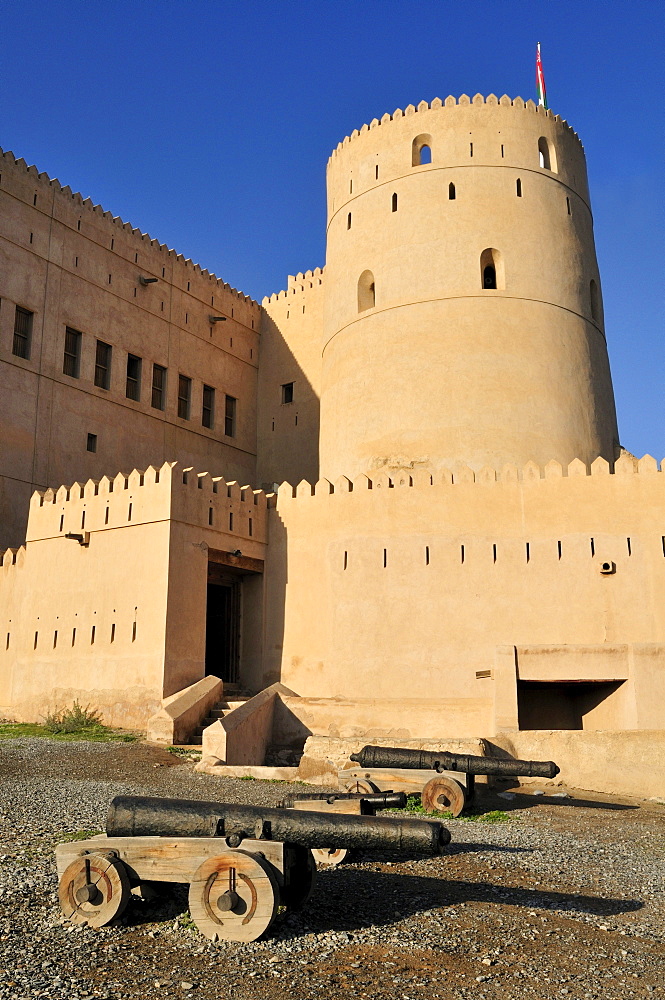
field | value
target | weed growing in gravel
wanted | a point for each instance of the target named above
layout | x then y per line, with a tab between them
184	751
414	805
73	720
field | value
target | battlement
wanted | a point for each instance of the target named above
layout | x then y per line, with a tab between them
154	494
626	465
43	180
300	282
450	102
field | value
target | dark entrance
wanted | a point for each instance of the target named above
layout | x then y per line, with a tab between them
560	704
223	626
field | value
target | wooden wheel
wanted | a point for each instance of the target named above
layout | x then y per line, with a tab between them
442	794
234	896
362	785
94	890
301	877
329	857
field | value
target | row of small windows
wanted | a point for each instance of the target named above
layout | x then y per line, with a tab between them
421	154
492	276
71	367
452	196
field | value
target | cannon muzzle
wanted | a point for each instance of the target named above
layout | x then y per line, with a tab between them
141	816
439	760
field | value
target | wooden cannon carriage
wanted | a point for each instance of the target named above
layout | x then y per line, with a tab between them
241	862
451	789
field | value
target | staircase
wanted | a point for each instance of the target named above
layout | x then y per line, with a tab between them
233	697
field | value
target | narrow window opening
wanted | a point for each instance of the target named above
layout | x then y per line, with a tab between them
348	221
351	187
208	410
76	262
163	272
113	632
186	317
34	200
133	631
273	424
92	635
187	286
593	546
103	365
209	515
110	277
250	527
663	544
184	396
231	521
92	443
528	552
136	258
112	244
158	387
34	645
568	206
73	636
230	409
129	512
162	306
461	553
470	149
494	552
376	172
385	558
106	516
501	150
629	547
366	291
31	237
62	521
451	192
55	638
394	202
346	559
133	385
78	225
558	545
427	555
7	643
83	520
296	420
518	187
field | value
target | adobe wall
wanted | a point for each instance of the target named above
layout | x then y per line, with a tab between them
440	369
119	620
291	334
459	588
71	263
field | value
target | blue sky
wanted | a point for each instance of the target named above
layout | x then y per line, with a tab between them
208	125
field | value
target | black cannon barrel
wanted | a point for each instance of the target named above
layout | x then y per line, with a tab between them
142	816
440	760
377	800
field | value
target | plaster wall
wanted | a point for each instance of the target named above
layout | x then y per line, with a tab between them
70	263
411	591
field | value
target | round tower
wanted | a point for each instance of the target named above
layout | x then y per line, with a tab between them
463	318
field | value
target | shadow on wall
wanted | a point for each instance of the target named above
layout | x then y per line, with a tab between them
287	419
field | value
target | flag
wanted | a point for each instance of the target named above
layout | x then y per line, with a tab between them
540	80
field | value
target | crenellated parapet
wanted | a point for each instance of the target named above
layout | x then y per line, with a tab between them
297	284
82	215
169	492
464	101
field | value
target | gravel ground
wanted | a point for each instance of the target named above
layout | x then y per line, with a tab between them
563	900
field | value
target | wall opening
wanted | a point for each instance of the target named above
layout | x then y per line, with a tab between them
421	150
223	625
492	273
366	291
563	704
451	192
518	187
394	202
546	154
348	221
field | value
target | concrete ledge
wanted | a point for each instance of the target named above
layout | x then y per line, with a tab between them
211	765
182	713
622	762
243	735
324	756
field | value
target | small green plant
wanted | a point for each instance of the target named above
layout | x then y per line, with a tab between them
186	921
184	751
246	777
73	720
414	805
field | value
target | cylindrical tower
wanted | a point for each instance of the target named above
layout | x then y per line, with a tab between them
463	318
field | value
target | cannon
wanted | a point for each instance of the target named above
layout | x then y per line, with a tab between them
445	792
360	803
241	862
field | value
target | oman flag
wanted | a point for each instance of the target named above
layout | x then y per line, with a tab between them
540	80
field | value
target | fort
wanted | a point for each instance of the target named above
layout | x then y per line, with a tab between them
389	500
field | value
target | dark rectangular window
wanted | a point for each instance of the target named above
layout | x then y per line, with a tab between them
208	415
230	416
287	392
158	386
22	333
92	442
72	360
103	365
133	388
184	396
